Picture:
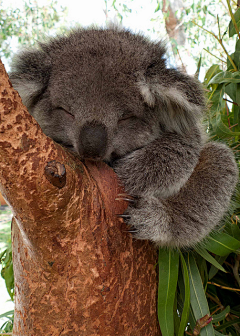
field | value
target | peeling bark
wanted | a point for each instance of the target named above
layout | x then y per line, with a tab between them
77	269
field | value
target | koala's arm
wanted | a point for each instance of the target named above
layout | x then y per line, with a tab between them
163	166
186	218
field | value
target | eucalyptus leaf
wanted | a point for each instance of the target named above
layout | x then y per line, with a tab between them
217	333
221	130
186	307
198	298
212	71
222	244
228	324
221	316
213	270
209	258
225	77
7	314
168	275
231	28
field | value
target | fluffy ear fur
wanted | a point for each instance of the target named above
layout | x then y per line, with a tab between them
178	97
30	75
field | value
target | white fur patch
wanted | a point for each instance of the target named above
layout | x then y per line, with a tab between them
147	94
168	95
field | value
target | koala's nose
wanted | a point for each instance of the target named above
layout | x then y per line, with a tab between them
93	140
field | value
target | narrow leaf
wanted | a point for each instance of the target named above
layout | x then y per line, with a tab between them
228	324
222	244
168	275
198	299
213	270
217	333
209	258
221	316
225	77
186	307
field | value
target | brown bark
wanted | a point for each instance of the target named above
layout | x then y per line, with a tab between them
173	27
77	269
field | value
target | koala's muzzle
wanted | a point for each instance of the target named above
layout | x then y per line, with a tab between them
93	140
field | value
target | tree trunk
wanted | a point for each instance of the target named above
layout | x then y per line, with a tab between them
77	270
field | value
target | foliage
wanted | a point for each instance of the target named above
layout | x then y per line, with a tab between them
8	325
202	13
6	263
27	24
207	290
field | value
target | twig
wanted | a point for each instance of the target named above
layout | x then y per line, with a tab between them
233	126
221	43
215	55
233	18
215	299
230	101
223	287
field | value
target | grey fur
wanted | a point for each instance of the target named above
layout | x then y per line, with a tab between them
108	95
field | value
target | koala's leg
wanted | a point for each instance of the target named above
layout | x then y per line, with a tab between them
162	167
186	218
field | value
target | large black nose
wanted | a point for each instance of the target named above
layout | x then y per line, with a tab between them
93	140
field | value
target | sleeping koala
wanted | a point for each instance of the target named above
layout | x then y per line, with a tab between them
107	94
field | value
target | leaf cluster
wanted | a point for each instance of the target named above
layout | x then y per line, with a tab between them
199	290
27	24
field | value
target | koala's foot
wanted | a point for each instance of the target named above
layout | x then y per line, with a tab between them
188	217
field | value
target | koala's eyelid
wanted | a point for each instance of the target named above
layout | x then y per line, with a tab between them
65	110
127	116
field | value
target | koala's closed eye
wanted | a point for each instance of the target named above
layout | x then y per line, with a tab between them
127	118
65	111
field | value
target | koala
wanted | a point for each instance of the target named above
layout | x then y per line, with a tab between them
107	94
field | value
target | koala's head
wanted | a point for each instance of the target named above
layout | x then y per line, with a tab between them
104	92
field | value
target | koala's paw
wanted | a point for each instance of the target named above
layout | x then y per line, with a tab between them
148	220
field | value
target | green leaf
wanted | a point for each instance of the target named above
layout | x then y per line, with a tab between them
231	28
158	7
228	324
225	77
198	67
217	333
198	299
213	270
216	99
222	244
186	307
212	71
221	316
209	258
221	130
7	314
168	275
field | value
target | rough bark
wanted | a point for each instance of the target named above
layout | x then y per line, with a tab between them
77	269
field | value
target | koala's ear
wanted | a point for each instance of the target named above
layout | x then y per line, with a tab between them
30	72
178	98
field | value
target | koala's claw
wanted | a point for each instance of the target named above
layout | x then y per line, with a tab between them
124	216
125	197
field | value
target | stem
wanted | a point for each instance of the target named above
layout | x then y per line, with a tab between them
221	43
215	55
223	287
233	18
